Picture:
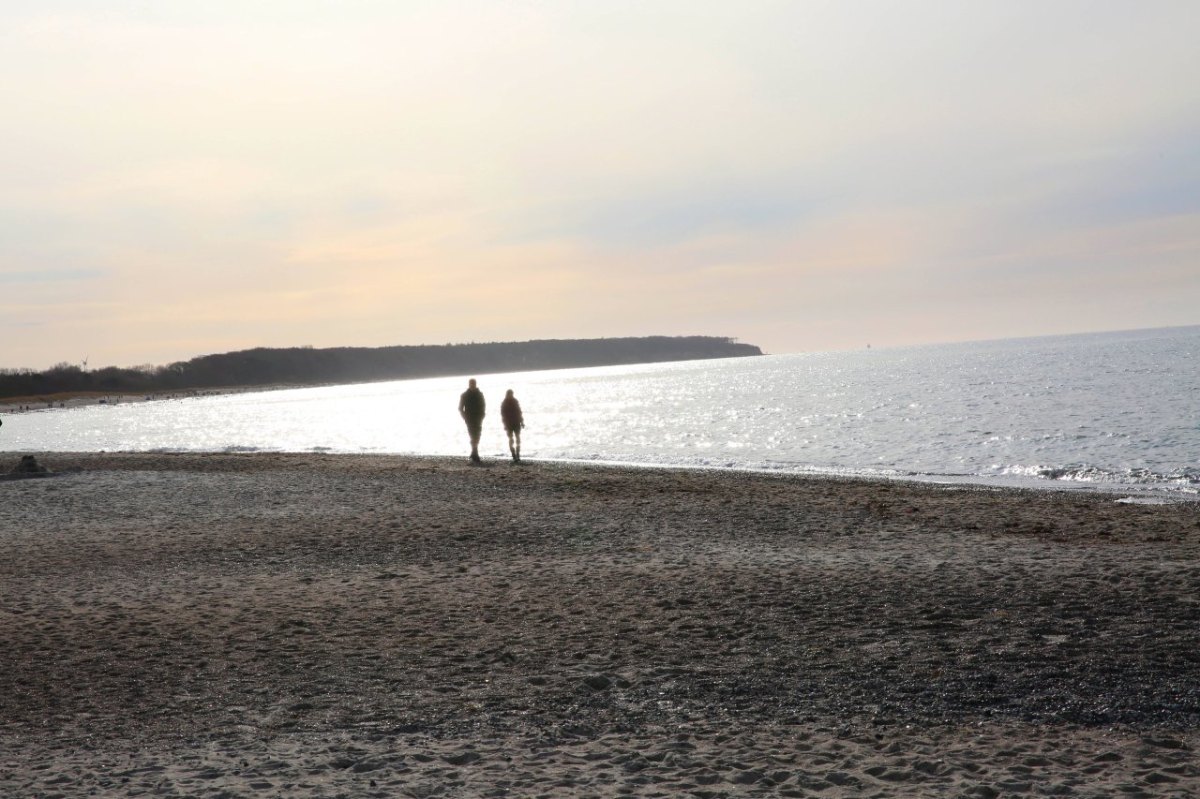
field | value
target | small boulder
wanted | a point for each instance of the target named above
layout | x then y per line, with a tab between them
29	467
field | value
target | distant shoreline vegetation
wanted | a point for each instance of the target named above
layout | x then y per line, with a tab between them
306	366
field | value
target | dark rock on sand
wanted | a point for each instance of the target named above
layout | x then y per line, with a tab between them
28	466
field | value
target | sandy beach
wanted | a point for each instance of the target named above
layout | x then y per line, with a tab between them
324	626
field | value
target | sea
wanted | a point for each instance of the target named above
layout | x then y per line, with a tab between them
1115	412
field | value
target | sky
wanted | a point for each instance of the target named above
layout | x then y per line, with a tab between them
198	176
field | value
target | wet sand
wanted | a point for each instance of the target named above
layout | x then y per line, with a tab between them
305	625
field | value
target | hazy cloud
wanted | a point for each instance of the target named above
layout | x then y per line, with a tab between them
184	177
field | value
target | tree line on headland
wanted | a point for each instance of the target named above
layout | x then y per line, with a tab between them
308	366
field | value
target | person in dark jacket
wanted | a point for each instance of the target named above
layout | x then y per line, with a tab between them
472	407
514	420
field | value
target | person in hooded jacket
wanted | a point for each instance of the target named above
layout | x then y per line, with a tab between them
514	421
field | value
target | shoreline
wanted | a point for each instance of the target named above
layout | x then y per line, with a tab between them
315	624
1137	493
66	400
1158	494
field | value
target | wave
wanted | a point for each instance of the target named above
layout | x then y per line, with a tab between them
1184	477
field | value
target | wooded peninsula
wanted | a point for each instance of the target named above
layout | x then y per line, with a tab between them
307	366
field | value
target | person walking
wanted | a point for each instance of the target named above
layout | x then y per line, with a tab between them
514	420
472	407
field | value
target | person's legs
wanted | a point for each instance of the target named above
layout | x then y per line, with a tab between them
511	449
517	451
474	429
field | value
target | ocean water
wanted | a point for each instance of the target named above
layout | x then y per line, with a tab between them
1113	411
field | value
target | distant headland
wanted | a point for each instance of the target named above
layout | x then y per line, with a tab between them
308	366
